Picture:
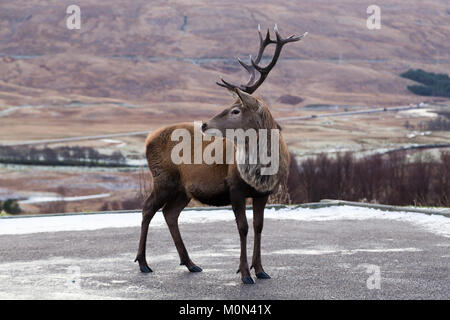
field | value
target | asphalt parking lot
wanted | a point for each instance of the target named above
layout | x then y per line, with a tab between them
339	259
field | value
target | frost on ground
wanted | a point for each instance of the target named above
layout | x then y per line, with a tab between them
325	253
433	223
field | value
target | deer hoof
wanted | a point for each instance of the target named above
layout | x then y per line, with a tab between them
248	280
195	269
145	269
262	275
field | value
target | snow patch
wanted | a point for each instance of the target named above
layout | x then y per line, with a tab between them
428	113
111	141
136	162
53	199
433	223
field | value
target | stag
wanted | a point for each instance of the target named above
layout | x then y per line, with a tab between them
218	184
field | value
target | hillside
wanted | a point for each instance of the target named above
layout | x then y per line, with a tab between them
138	65
159	60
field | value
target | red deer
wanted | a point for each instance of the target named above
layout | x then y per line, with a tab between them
218	184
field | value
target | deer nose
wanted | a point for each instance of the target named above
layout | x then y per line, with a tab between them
204	126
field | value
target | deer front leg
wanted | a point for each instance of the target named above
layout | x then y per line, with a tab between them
258	221
238	204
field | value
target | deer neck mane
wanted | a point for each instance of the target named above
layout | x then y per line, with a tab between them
252	173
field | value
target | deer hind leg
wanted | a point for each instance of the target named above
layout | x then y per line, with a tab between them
258	220
171	213
152	204
238	204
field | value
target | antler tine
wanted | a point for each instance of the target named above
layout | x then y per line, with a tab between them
291	38
226	84
263	43
251	85
280	42
249	69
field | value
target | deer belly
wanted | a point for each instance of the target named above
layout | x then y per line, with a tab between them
206	183
213	195
214	200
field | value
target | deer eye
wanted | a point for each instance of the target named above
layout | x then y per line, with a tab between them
235	111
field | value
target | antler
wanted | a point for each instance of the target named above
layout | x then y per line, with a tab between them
252	85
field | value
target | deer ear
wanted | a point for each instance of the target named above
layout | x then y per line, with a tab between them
233	93
247	100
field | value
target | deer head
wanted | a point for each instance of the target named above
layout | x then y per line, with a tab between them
248	111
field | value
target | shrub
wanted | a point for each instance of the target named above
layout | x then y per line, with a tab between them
421	90
438	124
434	84
60	156
11	206
389	179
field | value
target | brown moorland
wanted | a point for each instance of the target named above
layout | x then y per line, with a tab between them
138	65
